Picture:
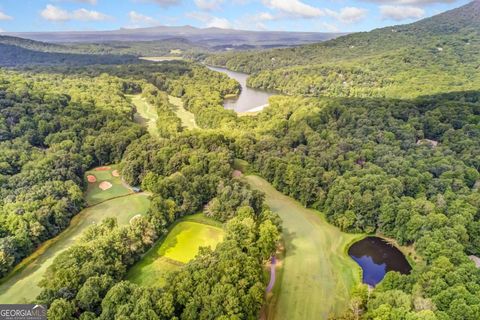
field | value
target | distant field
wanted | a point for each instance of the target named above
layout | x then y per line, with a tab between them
96	195
188	118
179	247
161	59
21	285
316	273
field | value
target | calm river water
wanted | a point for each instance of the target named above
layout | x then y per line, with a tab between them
250	99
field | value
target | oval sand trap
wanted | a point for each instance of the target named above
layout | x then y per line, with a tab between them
105	185
103	168
91	178
115	173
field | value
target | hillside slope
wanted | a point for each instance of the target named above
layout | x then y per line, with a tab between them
433	55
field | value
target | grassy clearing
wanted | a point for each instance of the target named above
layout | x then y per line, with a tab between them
21	286
188	118
317	273
146	114
96	195
179	247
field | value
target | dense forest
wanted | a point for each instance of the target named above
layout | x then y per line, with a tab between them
435	55
374	166
184	175
53	128
380	132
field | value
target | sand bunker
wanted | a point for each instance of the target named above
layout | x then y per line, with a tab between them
105	185
91	178
237	173
115	173
135	217
103	168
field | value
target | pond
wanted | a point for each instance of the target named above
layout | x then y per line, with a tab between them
376	257
250	100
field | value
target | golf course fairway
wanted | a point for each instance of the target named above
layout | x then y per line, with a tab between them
180	246
21	285
316	273
146	114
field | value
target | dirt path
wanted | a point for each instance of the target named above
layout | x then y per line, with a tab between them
273	265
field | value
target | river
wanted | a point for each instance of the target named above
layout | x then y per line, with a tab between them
249	100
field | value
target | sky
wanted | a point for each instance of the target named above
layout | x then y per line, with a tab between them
282	15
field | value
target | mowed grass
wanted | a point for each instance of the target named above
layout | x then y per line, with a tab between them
179	247
21	286
146	114
316	273
187	118
96	195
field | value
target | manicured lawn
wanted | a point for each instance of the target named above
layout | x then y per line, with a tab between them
146	114
316	273
188	119
96	195
180	246
22	284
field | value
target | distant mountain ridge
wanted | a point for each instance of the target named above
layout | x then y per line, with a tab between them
464	21
212	36
435	55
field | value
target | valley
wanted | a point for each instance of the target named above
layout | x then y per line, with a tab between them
305	176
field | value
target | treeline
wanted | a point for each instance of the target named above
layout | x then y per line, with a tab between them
184	174
52	128
406	169
202	90
431	56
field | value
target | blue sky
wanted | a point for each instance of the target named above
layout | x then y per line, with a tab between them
285	15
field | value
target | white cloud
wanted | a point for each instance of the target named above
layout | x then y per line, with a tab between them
88	15
400	13
208	4
163	3
295	8
1	30
53	13
138	19
210	21
348	14
4	17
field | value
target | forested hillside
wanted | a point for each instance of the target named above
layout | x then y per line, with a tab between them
435	55
52	129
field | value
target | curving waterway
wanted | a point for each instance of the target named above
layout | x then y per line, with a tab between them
249	100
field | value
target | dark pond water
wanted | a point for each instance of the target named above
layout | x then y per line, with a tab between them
250	99
376	257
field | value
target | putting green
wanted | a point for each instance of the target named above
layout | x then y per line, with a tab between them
21	285
95	195
180	246
316	272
